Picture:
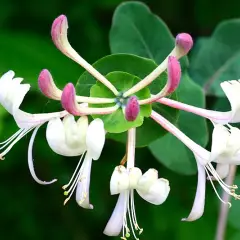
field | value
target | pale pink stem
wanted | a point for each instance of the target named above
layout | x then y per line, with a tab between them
217	117
194	147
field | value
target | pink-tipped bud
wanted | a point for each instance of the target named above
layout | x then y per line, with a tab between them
47	85
184	41
174	74
68	99
59	31
132	109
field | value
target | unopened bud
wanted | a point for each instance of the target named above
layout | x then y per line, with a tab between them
184	41
132	109
174	74
47	85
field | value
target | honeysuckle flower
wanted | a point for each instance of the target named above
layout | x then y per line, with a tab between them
71	138
231	89
11	97
123	182
225	150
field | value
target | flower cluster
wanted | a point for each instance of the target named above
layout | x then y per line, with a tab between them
69	137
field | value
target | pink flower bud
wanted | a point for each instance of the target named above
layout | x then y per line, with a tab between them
184	40
68	99
132	109
174	74
47	85
59	32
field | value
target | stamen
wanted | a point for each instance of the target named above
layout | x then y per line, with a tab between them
13	140
79	162
131	220
216	190
73	181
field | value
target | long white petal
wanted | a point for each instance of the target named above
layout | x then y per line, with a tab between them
115	223
82	193
95	138
199	201
30	160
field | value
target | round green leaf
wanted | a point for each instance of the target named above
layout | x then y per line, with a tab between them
116	122
217	58
135	29
139	67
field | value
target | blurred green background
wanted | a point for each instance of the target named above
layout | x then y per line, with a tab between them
31	211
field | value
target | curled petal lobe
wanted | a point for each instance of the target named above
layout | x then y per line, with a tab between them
47	85
56	138
132	109
75	132
82	193
95	138
174	74
115	223
119	181
220	138
232	89
147	179
12	92
134	176
184	42
157	193
199	201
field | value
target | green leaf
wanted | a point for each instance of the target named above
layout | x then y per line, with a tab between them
28	54
116	122
218	58
135	29
169	150
234	211
139	67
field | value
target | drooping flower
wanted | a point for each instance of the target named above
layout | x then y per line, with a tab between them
12	94
71	138
123	182
225	150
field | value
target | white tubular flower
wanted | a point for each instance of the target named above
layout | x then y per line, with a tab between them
124	181
225	150
231	89
12	92
77	138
